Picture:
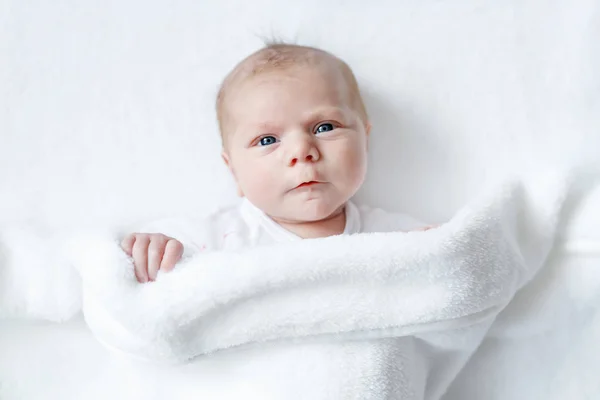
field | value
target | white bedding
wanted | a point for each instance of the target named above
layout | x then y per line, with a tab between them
102	100
368	316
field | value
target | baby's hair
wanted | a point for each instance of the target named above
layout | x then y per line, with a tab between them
278	55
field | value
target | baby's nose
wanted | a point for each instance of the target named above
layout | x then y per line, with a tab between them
304	151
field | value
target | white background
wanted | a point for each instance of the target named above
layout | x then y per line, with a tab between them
107	117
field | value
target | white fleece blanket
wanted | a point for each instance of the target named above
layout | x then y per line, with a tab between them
368	316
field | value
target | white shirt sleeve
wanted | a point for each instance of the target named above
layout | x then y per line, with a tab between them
192	233
223	230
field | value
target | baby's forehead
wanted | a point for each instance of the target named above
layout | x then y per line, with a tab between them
304	89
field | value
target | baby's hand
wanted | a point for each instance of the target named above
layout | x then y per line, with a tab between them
151	252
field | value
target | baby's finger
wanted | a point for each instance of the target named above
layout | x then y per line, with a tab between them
173	253
140	257
156	250
127	243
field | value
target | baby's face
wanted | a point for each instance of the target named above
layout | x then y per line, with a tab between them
297	149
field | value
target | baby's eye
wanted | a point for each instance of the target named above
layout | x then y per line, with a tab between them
267	140
325	127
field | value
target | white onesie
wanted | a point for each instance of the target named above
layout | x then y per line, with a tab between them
245	225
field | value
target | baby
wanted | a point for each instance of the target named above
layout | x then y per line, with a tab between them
295	135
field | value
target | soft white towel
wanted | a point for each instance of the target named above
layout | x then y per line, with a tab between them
36	279
413	306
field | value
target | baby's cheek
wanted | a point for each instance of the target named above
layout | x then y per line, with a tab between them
353	164
248	174
259	184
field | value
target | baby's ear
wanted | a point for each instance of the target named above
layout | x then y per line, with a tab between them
368	132
225	157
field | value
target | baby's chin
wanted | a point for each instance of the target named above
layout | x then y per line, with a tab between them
312	211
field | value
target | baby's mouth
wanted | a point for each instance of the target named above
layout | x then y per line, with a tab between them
307	184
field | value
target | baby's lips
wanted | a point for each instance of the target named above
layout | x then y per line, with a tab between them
305	184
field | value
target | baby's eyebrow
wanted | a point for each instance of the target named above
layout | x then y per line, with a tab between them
327	113
266	127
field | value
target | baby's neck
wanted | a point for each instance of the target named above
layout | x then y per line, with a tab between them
330	226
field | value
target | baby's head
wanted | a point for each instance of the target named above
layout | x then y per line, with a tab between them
294	131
